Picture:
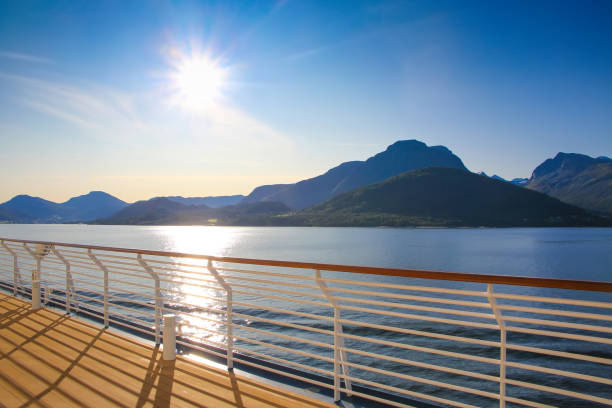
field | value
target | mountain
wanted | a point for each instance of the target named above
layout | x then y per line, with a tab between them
577	179
211	201
520	181
399	157
164	211
494	177
443	197
264	193
91	206
159	210
28	209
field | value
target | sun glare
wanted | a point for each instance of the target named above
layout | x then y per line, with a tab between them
198	81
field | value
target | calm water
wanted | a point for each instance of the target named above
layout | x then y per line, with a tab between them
579	253
571	253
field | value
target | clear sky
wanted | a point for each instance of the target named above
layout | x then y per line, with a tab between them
141	99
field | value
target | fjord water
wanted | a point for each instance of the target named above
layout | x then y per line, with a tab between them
566	253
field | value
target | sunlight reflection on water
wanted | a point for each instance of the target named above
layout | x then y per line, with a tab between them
195	291
198	240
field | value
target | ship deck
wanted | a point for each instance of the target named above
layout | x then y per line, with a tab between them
50	359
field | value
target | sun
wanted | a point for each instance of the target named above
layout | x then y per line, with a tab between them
198	81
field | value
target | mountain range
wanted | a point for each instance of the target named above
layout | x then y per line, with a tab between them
439	196
400	157
88	207
575	179
211	201
164	211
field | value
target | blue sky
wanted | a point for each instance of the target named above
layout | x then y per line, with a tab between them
94	95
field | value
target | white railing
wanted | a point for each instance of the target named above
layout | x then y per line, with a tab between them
386	335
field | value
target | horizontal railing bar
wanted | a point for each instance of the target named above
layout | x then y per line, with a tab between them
424	365
283	336
408	273
422	380
195	316
197	285
417	307
202	349
271	289
422	333
207	341
556	323
286	299
378	399
411	393
120	323
97	300
182	274
528	403
186	294
282	373
549	333
287	311
421	317
554	390
200	336
230	278
423	349
284	324
181	278
411	297
560	300
133	319
286	349
89	311
281	360
291	312
565	354
561	373
266	273
556	312
415	288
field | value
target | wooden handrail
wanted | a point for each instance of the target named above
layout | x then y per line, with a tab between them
407	273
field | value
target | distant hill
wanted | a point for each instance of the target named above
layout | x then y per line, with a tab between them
156	211
28	209
442	197
163	211
211	201
519	181
576	179
93	205
399	157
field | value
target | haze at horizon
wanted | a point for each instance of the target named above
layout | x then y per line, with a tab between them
206	98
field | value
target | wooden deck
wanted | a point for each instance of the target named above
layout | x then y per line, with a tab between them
49	359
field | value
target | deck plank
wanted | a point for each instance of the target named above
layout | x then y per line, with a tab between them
50	360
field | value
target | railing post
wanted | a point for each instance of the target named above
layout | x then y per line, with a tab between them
228	318
340	357
169	352
69	281
502	347
103	268
41	250
16	273
158	299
